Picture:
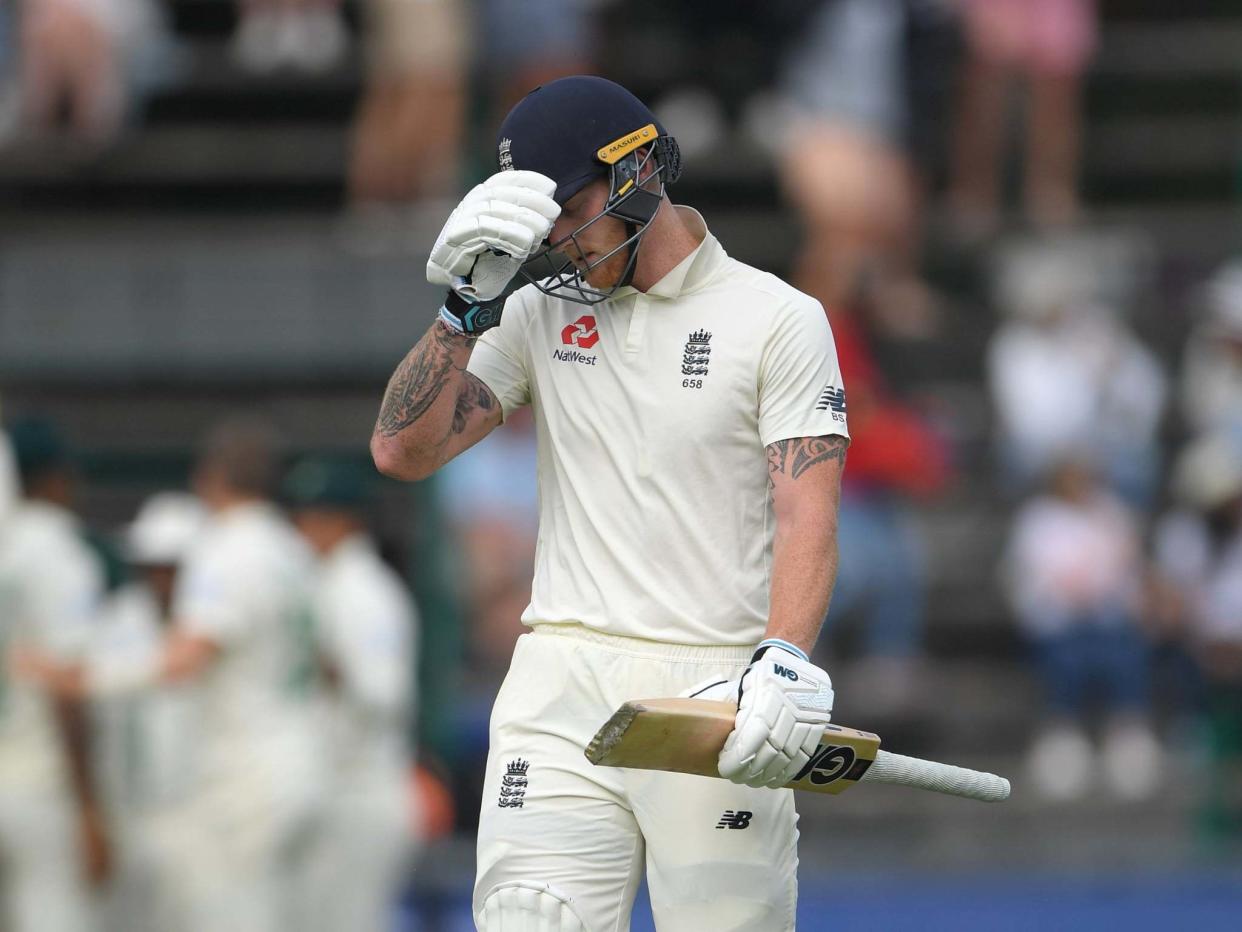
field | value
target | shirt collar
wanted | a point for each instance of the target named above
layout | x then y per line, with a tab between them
697	269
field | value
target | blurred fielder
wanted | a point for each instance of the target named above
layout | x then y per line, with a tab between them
147	739
365	625
691	437
242	634
52	831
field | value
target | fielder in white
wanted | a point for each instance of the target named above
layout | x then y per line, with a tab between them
691	438
242	634
366	628
53	840
147	739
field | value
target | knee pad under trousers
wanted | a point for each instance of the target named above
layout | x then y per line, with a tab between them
528	906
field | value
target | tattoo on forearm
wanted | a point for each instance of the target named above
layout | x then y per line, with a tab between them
475	396
798	455
417	383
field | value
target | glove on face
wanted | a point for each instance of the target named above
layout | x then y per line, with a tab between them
495	228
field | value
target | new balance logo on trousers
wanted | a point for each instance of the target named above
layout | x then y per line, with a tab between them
731	819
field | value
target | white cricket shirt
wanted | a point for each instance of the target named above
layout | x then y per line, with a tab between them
51	591
365	624
653	411
8	479
246	586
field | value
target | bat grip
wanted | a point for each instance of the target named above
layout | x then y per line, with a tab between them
939	778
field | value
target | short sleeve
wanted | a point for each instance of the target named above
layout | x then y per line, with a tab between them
801	393
368	630
500	359
210	597
68	599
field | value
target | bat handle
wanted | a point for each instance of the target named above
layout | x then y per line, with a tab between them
939	778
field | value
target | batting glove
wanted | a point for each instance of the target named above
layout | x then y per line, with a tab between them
495	228
785	701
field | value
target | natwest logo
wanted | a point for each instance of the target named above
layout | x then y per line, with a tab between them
581	333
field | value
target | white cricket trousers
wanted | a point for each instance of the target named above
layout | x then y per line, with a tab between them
717	855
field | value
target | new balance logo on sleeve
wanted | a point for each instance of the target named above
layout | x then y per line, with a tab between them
731	819
832	399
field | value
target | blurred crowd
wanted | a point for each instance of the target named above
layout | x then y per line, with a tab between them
1114	468
205	718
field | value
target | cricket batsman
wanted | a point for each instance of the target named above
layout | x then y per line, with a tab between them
691	436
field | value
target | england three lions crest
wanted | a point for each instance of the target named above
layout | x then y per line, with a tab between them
697	355
513	785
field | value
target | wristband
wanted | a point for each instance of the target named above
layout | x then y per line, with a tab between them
783	645
468	319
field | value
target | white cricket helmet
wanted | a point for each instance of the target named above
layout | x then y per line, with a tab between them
167	526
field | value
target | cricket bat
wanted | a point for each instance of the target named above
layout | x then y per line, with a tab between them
686	735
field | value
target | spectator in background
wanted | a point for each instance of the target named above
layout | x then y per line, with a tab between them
1046	45
1073	571
308	35
860	110
1067	375
1198	555
1212	364
147	760
859	102
53	838
894	459
407	134
366	631
85	59
526	43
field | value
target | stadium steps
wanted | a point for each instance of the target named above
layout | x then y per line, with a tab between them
1162	128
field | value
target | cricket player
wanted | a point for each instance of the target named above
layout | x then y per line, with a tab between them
53	840
242	634
147	739
691	437
365	627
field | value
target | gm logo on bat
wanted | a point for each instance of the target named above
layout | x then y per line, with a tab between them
828	764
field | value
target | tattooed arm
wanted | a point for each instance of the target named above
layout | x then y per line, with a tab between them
433	408
804	476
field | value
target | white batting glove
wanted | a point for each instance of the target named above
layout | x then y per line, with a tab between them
495	228
785	703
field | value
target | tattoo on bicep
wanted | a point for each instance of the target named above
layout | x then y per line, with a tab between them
417	383
474	396
798	455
